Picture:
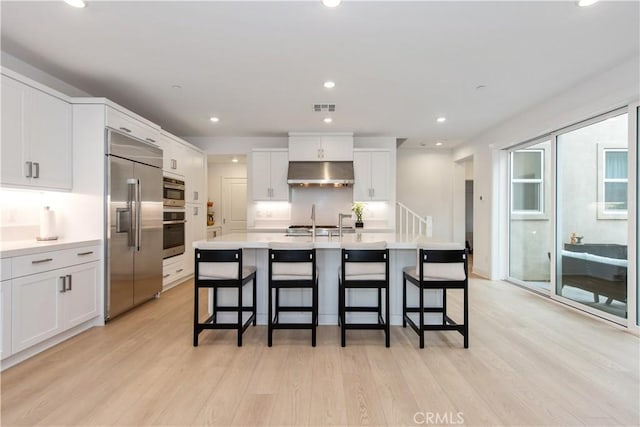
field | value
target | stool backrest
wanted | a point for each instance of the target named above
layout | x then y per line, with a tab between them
292	262
362	262
218	264
442	264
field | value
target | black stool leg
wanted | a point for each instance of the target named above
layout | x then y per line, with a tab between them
195	317
255	304
314	313
421	312
343	313
270	315
386	316
240	315
466	316
404	301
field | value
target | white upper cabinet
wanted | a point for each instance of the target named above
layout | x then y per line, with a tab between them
371	175
131	126
338	147
195	176
36	137
174	154
269	175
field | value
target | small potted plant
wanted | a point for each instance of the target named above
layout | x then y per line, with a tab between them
358	209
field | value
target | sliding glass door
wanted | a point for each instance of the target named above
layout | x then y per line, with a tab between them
529	220
591	215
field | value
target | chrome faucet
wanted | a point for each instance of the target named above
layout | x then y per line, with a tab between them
341	216
313	221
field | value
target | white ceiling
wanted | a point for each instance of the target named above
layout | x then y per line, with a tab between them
260	66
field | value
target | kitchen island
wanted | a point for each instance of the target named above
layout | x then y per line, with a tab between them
402	253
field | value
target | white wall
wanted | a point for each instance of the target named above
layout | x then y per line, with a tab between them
216	172
236	145
425	183
15	64
606	91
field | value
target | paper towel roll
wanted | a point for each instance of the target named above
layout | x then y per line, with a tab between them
47	224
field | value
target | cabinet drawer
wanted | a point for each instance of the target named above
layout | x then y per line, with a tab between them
5	268
37	263
130	126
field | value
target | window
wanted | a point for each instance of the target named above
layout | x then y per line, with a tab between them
615	180
527	181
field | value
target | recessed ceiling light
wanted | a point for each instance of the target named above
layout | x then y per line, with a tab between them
214	119
327	120
331	3
329	85
234	160
438	143
76	3
176	87
585	3
441	119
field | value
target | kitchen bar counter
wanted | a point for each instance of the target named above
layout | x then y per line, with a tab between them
402	253
262	240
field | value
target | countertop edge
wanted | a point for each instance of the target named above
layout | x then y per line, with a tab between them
28	247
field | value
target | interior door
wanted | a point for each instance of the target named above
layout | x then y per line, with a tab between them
234	209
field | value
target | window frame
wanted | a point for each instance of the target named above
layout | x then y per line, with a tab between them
539	181
604	213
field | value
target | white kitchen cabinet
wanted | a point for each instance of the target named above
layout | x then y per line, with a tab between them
36	137
311	148
5	318
213	232
131	126
195	176
371	175
52	292
173	269
36	305
195	230
269	175
175	156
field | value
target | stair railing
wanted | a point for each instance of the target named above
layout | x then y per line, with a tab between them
410	223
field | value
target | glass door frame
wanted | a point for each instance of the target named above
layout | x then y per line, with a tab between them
631	218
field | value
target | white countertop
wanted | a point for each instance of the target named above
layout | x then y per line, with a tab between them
262	240
14	248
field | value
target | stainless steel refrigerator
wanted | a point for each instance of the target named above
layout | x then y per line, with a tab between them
134	223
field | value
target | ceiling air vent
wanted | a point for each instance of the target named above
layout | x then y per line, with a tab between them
324	108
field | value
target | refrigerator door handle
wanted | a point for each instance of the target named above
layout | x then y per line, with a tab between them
138	215
133	212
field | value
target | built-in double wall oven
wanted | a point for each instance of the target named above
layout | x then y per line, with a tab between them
173	192
174	219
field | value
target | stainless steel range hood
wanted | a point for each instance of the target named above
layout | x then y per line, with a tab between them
320	173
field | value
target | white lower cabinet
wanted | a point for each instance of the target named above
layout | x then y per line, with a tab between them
36	308
172	270
5	318
45	304
49	293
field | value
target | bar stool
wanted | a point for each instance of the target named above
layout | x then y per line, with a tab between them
364	266
223	268
292	266
440	267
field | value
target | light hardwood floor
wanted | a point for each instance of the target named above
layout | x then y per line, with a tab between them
530	362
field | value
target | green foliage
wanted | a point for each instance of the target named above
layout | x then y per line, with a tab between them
358	209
